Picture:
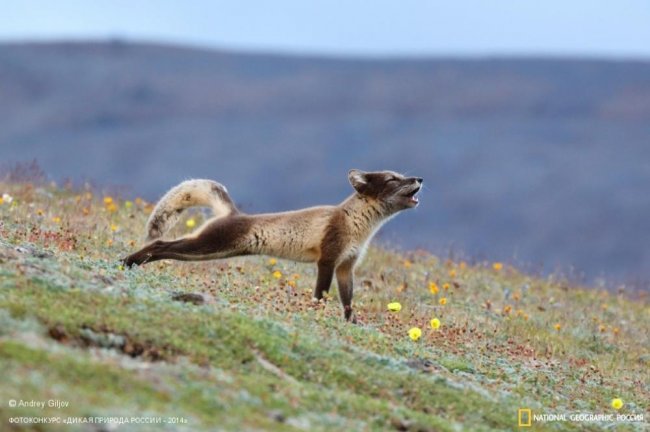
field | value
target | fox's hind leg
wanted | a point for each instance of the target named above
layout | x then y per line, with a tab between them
152	252
221	238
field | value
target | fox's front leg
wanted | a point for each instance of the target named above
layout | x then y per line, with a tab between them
324	279
345	281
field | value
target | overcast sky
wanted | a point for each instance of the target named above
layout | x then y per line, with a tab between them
595	28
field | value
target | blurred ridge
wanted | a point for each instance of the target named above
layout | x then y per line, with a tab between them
542	160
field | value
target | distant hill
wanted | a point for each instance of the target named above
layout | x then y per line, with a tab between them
545	161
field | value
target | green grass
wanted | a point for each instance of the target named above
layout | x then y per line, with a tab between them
257	354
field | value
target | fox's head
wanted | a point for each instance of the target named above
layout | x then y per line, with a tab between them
394	190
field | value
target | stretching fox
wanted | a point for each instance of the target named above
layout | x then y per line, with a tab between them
334	237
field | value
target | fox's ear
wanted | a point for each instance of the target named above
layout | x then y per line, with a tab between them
357	179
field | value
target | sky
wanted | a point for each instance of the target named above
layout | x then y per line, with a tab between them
410	28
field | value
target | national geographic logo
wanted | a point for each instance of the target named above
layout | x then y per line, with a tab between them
524	417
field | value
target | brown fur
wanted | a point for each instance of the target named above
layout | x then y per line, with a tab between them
335	237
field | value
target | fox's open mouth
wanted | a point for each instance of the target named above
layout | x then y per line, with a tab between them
412	196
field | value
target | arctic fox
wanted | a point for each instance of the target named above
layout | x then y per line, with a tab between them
334	237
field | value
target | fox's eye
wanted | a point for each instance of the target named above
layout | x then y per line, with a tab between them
394	179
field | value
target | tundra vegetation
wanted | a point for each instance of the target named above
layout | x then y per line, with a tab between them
237	344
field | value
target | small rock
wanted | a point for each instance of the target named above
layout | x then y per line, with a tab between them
102	339
33	252
401	424
278	416
58	333
105	279
421	364
194	298
41	254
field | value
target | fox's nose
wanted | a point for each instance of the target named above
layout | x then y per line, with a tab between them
419	179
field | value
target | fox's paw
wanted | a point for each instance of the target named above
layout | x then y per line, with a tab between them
349	315
125	263
131	260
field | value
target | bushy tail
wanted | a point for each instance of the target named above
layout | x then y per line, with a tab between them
190	193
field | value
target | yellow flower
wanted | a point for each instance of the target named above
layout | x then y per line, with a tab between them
292	283
435	323
507	309
114	227
277	274
273	261
394	307
617	403
452	273
295	276
111	207
128	204
497	266
462	265
190	223
557	326
445	286
108	200
415	333
602	328
120	267
433	287
407	264
616	330
6	198
56	219
40	212
443	301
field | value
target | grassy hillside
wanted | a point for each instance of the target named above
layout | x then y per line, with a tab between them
238	345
